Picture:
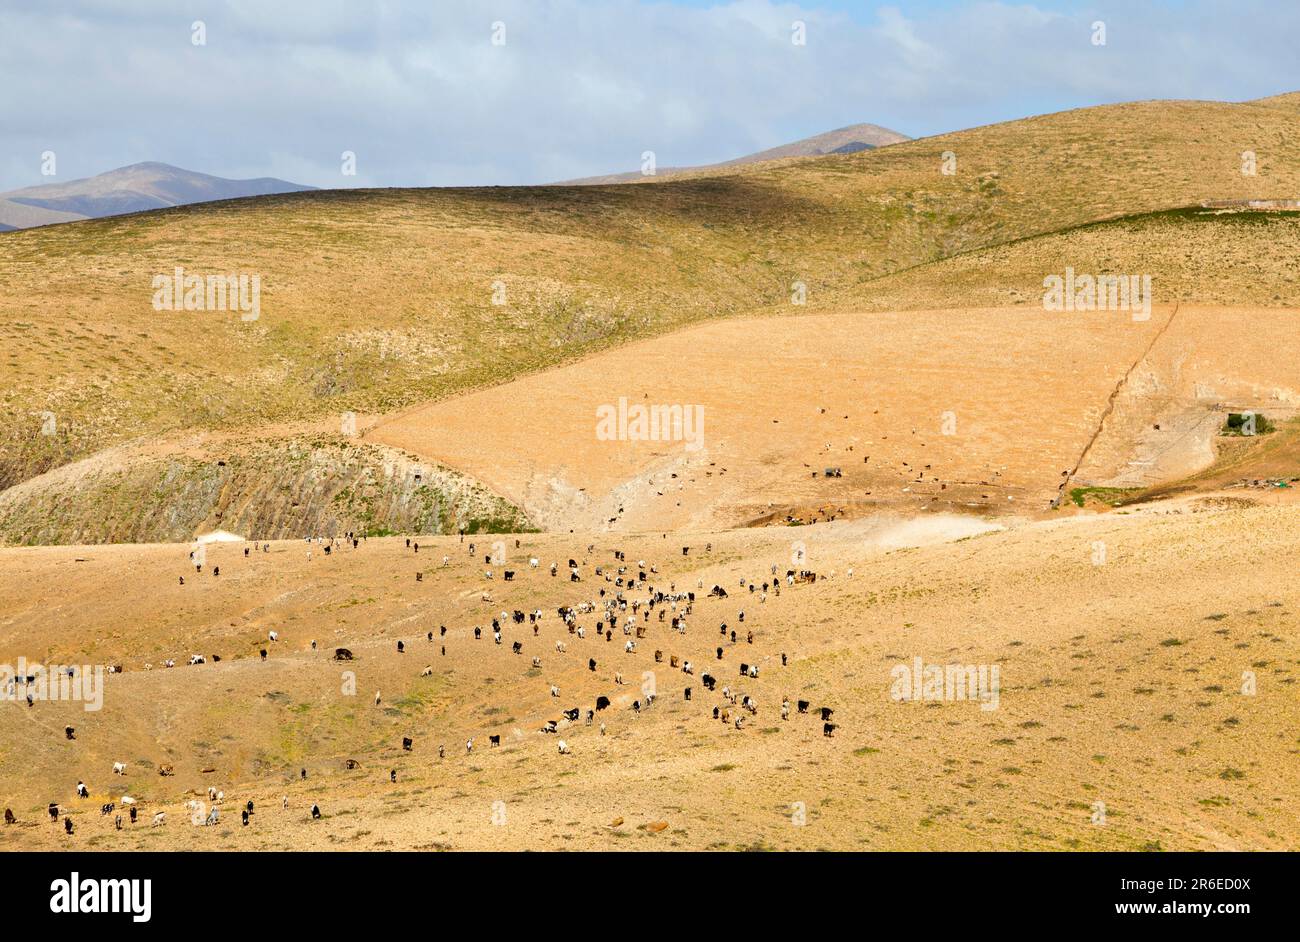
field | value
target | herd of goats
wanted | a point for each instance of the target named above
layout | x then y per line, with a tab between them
629	604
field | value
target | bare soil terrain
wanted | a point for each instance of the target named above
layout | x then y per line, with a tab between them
1121	684
867	387
979	411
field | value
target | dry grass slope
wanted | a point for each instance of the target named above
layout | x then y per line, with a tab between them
1120	683
374	300
1193	255
275	488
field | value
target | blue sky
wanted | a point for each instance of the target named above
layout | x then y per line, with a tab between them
422	96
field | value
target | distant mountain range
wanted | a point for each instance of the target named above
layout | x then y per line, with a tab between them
154	185
126	190
847	140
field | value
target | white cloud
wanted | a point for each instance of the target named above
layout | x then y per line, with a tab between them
581	87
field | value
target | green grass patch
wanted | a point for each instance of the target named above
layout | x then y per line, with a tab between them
1110	496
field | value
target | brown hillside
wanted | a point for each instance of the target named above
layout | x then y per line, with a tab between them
1121	683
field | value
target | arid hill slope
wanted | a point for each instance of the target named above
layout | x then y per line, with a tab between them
373	300
919	411
1121	721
